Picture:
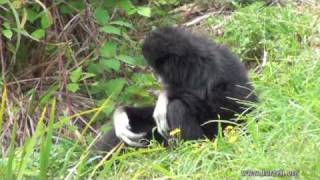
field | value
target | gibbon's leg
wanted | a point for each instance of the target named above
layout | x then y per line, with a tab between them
182	117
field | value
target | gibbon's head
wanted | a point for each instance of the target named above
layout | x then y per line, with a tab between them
177	56
167	44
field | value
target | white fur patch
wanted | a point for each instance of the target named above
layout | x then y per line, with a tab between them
122	129
159	79
160	114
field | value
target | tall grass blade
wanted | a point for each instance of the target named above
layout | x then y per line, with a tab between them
30	145
46	144
9	167
18	29
2	107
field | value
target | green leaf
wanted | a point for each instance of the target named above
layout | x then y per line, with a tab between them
31	15
3	1
101	15
144	79
112	64
108	49
96	87
38	34
73	87
127	6
127	59
115	86
94	68
75	75
122	23
111	30
139	60
87	76
65	9
6	25
7	33
137	94
107	110
45	21
144	11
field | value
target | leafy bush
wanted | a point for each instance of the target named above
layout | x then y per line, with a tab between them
90	44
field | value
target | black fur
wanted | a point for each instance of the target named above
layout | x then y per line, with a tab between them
204	81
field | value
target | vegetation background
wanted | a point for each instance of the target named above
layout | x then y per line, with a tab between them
65	65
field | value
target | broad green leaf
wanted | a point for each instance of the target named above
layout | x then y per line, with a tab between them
111	30
134	90
79	5
45	21
144	11
137	94
139	60
7	33
38	34
107	110
122	23
112	64
101	15
144	79
108	49
72	6
75	75
65	9
115	86
6	25
127	59
3	1
94	68
126	5
31	15
87	76
73	87
96	88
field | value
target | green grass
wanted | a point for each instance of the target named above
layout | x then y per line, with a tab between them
278	31
283	133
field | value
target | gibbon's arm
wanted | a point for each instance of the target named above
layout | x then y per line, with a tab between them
160	114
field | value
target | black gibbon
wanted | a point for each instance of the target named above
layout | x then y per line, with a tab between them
201	81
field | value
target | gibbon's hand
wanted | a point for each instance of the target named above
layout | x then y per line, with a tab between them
160	114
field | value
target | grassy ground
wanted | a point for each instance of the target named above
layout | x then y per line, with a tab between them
282	134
